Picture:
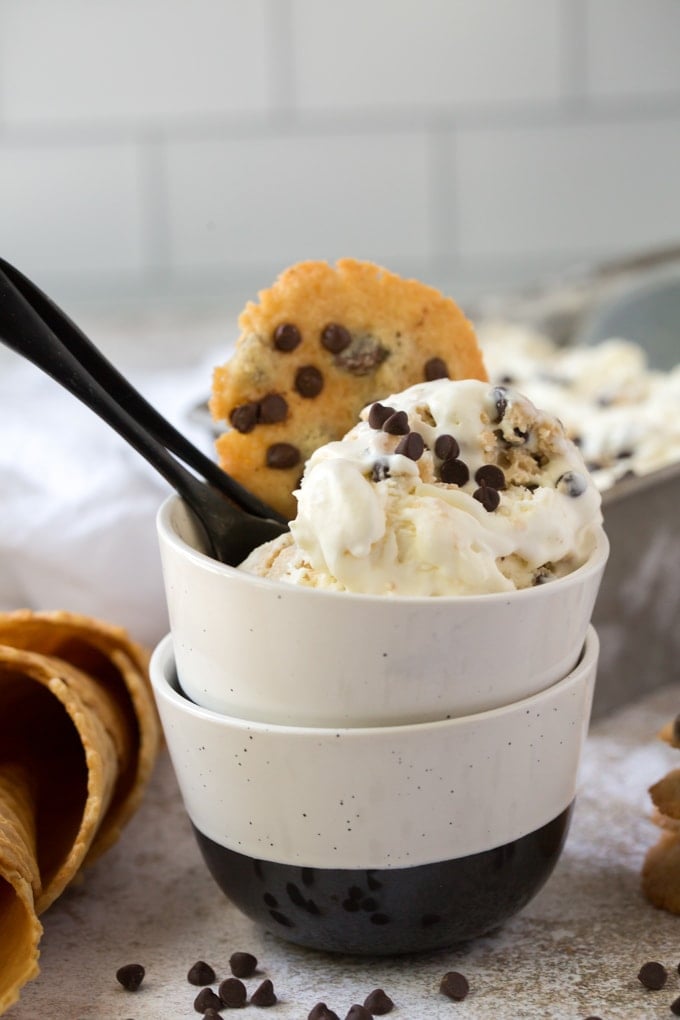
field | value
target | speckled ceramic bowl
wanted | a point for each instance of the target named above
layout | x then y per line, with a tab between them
277	652
381	840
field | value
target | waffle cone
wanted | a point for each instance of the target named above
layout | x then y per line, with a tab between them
20	929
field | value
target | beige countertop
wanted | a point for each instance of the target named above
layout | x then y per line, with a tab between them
573	953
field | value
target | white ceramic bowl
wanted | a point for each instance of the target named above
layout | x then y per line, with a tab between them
272	651
377	840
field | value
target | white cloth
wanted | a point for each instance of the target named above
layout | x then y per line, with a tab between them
78	505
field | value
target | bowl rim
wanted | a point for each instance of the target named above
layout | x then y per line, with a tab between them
593	566
163	655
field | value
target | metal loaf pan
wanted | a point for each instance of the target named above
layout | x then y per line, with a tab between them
637	613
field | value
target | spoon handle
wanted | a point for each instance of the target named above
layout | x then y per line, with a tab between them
74	342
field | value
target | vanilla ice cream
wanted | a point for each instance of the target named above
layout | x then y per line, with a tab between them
623	415
447	488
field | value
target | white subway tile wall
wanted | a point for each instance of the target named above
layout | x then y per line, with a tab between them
160	150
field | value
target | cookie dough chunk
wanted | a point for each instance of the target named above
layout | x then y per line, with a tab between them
320	345
661	868
661	873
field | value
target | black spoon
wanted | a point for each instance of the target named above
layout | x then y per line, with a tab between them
234	520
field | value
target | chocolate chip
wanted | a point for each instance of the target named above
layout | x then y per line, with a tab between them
378	1002
271	409
362	356
500	398
435	368
446	447
675	1006
264	995
571	483
378	415
488	497
287	337
411	446
454	472
244	417
233	993
201	973
130	976
206	999
380	471
542	575
396	424
357	1012
242	965
653	975
322	1012
335	337
282	455
491	475
308	381
454	985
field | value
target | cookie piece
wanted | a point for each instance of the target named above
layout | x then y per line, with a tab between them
665	795
320	345
661	873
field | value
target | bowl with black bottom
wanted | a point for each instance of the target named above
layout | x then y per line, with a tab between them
381	840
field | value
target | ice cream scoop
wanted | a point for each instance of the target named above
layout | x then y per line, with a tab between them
448	488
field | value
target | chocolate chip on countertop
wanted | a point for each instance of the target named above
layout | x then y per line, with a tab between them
287	337
201	974
488	497
244	417
308	381
571	483
378	1002
378	415
264	995
454	472
653	975
233	993
396	424
282	455
675	1006
335	337
446	447
411	446
357	1012
322	1012
206	999
454	985
242	965
130	976
435	368
491	475
272	409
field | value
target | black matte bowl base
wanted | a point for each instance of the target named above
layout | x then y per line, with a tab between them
400	910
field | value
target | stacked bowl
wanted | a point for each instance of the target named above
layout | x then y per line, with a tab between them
371	774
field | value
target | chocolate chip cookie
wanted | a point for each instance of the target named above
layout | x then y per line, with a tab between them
320	345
